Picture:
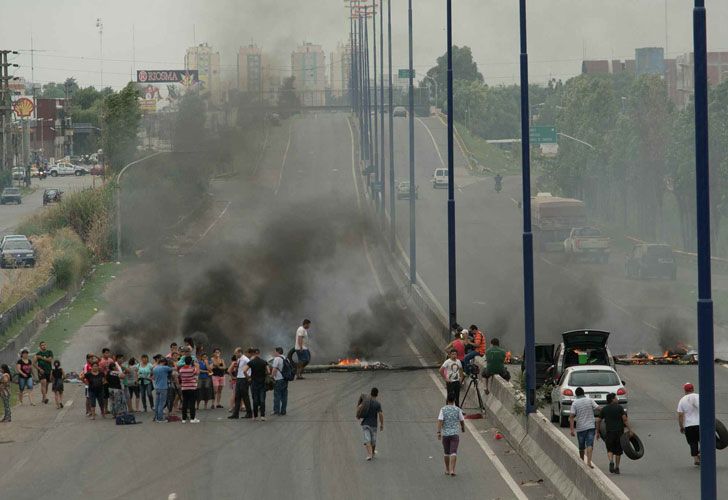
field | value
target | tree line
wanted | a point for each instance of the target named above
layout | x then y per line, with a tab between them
637	168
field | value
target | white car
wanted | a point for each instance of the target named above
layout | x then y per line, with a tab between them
66	169
399	111
439	178
597	382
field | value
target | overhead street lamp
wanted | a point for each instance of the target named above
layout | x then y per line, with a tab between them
411	116
706	367
392	199
428	77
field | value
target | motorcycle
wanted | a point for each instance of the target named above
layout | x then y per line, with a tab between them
42	174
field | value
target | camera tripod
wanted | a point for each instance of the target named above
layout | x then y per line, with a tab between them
473	382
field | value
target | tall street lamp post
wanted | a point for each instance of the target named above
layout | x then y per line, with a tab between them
451	268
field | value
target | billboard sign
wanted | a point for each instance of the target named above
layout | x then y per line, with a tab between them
23	107
183	76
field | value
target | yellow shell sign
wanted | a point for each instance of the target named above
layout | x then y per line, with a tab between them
23	107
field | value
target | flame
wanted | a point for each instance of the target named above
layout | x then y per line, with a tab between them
349	362
508	357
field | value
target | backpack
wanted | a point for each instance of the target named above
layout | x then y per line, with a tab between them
126	419
287	370
363	408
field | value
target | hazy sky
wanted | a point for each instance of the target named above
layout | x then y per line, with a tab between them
560	33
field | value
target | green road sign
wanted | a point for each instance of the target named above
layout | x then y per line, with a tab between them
404	73
542	135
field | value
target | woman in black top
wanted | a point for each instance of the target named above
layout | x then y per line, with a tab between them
218	376
24	368
57	376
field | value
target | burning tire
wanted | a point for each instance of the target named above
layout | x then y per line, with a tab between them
632	446
721	435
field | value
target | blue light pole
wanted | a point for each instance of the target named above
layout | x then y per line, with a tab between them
411	116
375	159
706	368
528	305
392	201
451	269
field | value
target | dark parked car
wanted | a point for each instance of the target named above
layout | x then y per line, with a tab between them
11	195
651	260
399	111
17	253
51	195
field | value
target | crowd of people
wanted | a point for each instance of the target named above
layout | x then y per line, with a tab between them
176	384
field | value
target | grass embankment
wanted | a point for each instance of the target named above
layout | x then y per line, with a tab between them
494	159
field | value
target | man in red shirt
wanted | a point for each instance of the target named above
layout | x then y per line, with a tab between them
478	347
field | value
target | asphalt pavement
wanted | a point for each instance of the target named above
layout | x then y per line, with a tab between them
641	315
313	452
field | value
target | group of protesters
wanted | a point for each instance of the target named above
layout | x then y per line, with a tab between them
182	381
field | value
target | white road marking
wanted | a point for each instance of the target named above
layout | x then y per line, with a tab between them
262	153
217	219
517	491
433	140
353	165
285	157
515	202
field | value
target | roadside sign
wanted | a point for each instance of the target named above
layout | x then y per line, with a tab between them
404	73
23	107
542	135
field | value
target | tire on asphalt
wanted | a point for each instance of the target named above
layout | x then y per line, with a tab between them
632	446
721	435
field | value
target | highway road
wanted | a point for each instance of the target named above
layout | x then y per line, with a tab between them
315	451
567	297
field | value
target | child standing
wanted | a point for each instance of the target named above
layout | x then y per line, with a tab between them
57	376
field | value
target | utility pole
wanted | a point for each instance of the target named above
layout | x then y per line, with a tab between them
706	347
100	27
377	176
528	302
6	107
451	268
381	110
392	200
411	115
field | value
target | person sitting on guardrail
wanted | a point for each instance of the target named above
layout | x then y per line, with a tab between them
688	417
495	359
476	341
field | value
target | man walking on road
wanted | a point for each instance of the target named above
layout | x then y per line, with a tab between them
688	417
44	360
452	372
369	422
280	392
303	355
258	372
242	385
450	422
616	420
582	414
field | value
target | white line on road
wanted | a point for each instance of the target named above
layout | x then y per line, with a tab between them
433	140
217	219
285	157
353	165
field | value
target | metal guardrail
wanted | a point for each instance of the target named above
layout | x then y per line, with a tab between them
24	305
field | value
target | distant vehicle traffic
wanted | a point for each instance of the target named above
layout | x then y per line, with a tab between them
274	119
587	242
403	190
17	253
553	217
11	195
651	260
18	173
67	169
52	195
597	382
399	111
439	178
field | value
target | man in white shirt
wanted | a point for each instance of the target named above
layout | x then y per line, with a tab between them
583	425
688	417
242	385
303	355
452	372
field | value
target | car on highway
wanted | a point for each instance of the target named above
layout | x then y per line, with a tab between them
11	195
400	112
52	195
597	382
651	260
439	178
8	237
67	169
578	348
18	173
17	253
403	190
587	242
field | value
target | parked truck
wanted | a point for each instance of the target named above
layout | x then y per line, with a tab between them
553	218
587	242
